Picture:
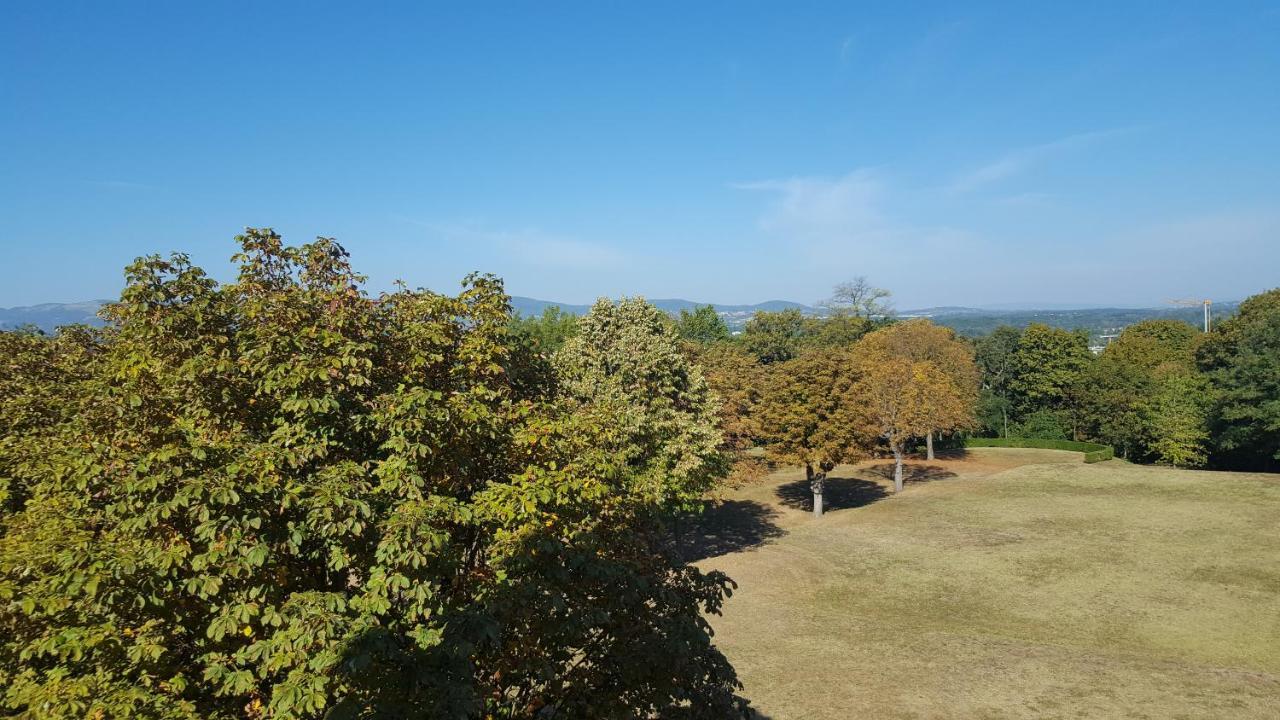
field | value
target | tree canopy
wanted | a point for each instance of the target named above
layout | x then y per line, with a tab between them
547	332
737	379
703	325
920	341
774	336
1241	359
1131	389
1047	368
280	497
914	379
626	367
859	298
994	356
804	414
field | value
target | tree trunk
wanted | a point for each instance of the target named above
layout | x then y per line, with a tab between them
1004	412
897	467
815	484
928	442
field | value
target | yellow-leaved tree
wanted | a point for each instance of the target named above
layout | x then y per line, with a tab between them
919	340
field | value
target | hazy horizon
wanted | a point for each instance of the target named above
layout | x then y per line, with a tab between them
999	307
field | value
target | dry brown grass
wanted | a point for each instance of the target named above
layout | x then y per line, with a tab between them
1005	584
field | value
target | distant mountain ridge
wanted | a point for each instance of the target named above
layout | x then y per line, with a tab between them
1099	322
533	306
48	316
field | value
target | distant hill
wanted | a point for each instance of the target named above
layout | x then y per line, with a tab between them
1098	322
964	320
49	316
533	306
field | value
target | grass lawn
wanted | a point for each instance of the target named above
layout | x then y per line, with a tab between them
1004	583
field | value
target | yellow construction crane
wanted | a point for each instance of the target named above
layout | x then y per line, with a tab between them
1193	303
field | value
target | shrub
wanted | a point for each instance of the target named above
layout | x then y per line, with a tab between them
1042	424
1093	452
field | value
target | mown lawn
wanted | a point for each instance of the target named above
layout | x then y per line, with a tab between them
1004	583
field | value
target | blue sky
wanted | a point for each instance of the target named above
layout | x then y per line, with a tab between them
1078	153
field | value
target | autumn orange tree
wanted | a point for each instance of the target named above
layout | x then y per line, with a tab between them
899	399
919	340
737	379
805	418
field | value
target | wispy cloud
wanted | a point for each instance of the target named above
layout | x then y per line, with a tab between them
815	207
531	246
846	50
1022	159
847	219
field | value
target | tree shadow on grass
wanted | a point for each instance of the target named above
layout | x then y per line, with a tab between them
912	474
725	527
838	493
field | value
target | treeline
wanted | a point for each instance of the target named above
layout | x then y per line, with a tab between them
283	498
817	392
1162	392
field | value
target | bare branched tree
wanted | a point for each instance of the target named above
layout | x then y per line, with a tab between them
859	299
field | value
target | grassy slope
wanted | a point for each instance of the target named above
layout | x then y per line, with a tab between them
1053	589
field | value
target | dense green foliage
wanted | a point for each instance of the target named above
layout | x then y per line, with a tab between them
1047	367
625	368
547	332
778	336
282	498
1242	363
1162	391
774	336
703	325
994	356
1093	452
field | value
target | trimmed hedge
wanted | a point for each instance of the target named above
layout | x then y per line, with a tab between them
1093	452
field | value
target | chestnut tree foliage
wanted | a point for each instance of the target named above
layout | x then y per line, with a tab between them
805	417
281	497
919	340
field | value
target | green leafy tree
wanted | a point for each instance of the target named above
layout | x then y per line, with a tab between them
1178	432
994	354
545	333
1048	367
1242	360
703	325
37	375
626	366
1043	425
835	331
774	336
1126	380
282	498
